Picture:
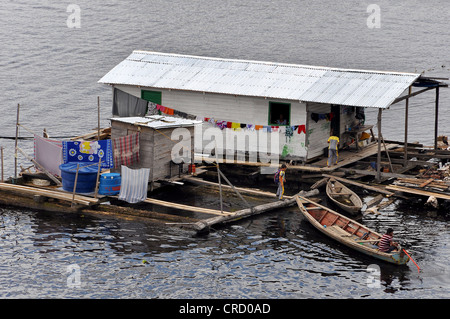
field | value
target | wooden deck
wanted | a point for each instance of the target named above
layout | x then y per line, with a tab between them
346	157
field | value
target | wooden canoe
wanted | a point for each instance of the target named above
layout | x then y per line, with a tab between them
347	231
343	197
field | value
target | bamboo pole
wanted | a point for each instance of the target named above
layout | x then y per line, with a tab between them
220	183
1	150
234	188
98	117
16	142
387	153
75	186
98	176
436	117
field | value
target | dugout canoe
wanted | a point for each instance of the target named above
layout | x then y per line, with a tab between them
343	197
347	231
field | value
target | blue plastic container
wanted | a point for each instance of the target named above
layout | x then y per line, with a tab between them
87	177
109	184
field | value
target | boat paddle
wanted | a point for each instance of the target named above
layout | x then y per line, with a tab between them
418	268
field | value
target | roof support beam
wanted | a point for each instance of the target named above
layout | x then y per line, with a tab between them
378	177
411	95
406	128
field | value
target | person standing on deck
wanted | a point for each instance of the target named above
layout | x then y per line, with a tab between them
281	179
333	146
386	244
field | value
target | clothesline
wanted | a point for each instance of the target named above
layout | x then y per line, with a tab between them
288	130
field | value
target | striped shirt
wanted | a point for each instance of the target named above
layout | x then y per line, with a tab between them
385	242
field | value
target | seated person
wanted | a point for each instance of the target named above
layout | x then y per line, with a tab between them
386	244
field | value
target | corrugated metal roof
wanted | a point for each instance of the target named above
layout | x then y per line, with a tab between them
263	79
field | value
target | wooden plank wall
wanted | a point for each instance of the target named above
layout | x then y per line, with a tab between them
318	132
154	148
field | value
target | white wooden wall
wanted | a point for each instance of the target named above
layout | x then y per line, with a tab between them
239	109
318	133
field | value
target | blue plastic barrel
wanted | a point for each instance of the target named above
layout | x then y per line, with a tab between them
109	184
87	176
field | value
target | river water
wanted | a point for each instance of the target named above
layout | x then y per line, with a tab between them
52	71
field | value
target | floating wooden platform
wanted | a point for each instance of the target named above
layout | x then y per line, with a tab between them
418	192
61	195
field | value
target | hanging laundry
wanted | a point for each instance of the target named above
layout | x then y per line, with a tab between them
126	150
134	184
250	127
229	124
48	153
267	129
85	151
258	127
330	116
301	128
315	117
289	131
236	126
221	124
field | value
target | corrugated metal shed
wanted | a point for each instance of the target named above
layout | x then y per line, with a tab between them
263	79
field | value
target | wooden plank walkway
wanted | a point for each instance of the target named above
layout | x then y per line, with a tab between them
61	195
417	192
346	157
349	157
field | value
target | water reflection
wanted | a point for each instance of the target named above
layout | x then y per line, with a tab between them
276	255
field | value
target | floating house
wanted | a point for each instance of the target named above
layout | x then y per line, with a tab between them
259	103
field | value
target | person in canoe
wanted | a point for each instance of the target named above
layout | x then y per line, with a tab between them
386	244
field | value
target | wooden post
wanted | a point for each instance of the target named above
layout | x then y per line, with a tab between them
406	128
1	150
378	177
17	135
98	116
436	115
220	183
75	186
98	175
387	153
235	190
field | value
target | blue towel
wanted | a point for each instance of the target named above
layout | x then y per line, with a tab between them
84	151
